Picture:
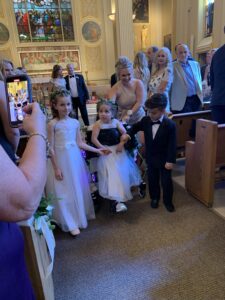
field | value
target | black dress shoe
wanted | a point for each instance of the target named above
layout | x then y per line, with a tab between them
142	189
154	203
170	207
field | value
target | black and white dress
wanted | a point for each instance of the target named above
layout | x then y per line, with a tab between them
156	81
117	172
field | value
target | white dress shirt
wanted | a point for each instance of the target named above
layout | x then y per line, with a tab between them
73	86
155	127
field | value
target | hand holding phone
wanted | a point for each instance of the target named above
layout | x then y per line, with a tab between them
35	120
18	97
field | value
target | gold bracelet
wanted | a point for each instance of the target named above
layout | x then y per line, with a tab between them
129	137
130	112
44	138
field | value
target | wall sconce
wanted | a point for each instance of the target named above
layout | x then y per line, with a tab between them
112	16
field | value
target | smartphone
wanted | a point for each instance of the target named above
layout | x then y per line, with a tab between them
17	94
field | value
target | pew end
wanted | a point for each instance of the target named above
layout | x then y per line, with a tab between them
185	125
203	158
220	161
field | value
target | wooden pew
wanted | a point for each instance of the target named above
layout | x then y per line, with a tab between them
204	157
36	252
37	258
185	124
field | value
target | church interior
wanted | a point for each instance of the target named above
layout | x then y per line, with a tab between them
144	253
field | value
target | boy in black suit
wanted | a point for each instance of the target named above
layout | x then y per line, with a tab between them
160	145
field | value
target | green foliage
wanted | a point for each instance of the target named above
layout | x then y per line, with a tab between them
44	209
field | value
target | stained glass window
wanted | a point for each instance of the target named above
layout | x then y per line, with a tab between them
44	20
209	12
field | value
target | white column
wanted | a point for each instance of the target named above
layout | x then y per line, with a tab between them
155	14
124	28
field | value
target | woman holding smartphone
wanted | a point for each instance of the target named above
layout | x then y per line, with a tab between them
21	189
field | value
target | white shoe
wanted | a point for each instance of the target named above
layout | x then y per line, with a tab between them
120	207
75	232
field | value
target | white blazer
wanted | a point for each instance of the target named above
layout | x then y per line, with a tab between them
180	86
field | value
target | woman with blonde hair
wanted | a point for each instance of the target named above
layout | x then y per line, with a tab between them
6	68
129	93
141	70
162	77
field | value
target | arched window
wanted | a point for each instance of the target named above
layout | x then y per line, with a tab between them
44	20
209	12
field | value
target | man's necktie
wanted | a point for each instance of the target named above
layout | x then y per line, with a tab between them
71	76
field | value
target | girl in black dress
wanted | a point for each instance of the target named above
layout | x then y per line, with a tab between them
117	171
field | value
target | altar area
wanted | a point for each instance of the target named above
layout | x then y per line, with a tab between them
41	90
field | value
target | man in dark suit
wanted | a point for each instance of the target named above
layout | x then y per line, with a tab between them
150	54
79	93
217	81
206	66
160	145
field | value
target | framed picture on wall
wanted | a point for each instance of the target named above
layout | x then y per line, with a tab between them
42	62
91	31
141	11
4	34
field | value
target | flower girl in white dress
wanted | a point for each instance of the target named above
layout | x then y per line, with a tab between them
117	171
68	178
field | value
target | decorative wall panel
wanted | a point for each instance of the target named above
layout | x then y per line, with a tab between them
93	58
89	8
1	9
6	54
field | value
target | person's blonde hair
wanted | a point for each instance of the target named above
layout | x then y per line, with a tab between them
167	52
123	63
3	62
141	64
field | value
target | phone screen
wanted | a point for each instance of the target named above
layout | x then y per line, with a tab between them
18	97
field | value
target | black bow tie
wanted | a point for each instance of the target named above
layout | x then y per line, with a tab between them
156	122
71	76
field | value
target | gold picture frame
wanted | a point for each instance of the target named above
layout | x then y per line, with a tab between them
91	31
140	11
42	62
